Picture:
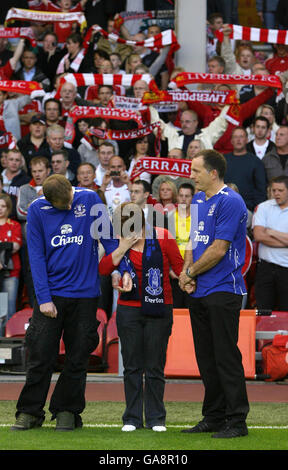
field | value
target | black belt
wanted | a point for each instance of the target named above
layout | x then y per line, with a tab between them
272	264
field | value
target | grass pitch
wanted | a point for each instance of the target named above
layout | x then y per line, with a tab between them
267	423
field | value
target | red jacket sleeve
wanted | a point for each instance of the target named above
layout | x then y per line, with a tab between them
250	107
106	265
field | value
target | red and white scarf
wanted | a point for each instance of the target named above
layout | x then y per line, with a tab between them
45	17
272	36
26	33
109	79
166	38
7	140
79	112
163	166
19	86
74	65
111	134
185	78
208	96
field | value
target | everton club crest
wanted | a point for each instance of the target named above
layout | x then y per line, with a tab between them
154	282
79	210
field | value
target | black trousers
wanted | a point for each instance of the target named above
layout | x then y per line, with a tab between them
215	324
144	343
271	286
76	320
180	298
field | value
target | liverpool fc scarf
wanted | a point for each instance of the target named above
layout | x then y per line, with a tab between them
209	96
79	112
111	134
22	14
19	86
26	33
185	78
152	292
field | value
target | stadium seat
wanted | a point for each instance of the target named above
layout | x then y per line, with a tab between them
248	256
268	325
101	348
17	325
181	359
97	359
112	345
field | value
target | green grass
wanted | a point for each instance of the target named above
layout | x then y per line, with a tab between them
267	424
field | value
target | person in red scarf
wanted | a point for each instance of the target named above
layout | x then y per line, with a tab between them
63	29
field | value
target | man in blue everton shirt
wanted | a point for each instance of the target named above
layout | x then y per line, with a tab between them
212	275
62	227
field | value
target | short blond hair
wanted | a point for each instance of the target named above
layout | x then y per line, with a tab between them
57	190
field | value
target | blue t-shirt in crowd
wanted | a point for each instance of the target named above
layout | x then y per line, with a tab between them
223	217
63	246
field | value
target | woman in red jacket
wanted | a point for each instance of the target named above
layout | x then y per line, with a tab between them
144	314
10	244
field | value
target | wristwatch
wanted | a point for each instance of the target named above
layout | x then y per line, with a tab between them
189	274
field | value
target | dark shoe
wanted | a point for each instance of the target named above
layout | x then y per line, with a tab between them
65	421
231	431
204	426
24	421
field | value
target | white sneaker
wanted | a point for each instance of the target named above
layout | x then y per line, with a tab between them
159	428
128	428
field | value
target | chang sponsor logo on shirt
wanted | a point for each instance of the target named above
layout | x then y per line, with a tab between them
65	238
201	237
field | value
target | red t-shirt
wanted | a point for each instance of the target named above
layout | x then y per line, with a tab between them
6	71
11	232
2	123
35	105
62	29
171	256
276	65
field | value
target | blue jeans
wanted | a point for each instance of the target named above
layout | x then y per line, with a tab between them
10	285
269	19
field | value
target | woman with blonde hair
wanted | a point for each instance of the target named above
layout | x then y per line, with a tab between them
167	194
10	244
133	60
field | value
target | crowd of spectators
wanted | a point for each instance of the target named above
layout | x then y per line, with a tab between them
32	127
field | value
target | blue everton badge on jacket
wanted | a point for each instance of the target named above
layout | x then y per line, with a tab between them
154	282
152	295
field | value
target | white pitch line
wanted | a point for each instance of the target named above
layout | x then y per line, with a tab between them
103	425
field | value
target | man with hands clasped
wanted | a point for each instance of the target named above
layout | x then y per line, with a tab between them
212	276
